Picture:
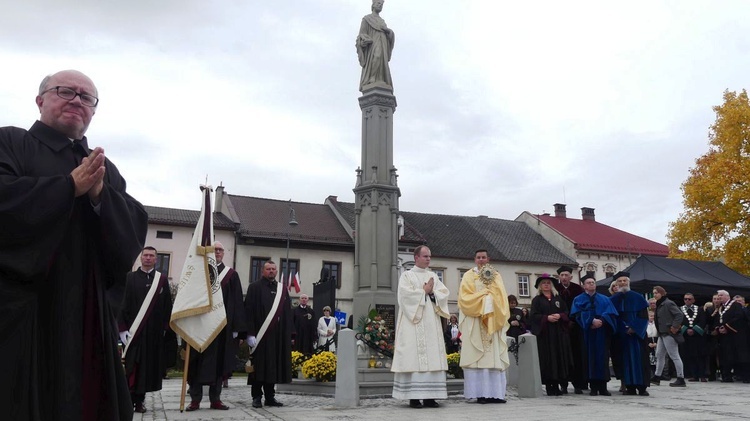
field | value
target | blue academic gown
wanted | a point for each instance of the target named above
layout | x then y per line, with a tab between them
585	309
632	309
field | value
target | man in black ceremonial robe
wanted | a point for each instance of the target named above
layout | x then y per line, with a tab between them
69	233
568	292
272	359
305	327
144	319
217	361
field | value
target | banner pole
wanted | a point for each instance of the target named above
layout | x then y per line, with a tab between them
184	377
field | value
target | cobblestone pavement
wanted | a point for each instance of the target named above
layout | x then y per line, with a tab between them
698	401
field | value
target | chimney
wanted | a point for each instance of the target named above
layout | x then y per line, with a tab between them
587	214
560	210
219	201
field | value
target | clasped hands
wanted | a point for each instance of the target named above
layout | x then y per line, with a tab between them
554	318
88	177
428	286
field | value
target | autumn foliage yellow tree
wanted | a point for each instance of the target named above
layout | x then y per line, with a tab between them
716	221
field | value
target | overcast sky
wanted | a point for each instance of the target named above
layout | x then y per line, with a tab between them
503	107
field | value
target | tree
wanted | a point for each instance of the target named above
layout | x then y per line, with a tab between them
716	222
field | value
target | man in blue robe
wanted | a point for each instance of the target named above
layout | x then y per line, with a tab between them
632	320
597	318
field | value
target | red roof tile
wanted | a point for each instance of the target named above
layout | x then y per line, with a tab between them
595	236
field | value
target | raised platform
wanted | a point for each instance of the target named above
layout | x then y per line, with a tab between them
381	389
373	382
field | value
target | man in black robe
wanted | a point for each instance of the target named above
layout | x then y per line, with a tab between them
693	350
568	292
305	327
144	363
732	328
218	360
272	359
70	232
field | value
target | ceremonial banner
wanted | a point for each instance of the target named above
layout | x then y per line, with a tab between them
198	313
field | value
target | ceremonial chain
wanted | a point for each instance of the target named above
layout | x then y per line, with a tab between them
723	310
695	314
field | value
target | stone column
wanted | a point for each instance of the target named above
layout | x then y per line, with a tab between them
376	206
347	386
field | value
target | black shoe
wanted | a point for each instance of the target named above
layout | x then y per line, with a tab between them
727	381
193	406
656	380
605	392
415	403
578	391
140	408
273	402
680	382
594	392
256	403
495	400
482	400
430	403
563	390
629	392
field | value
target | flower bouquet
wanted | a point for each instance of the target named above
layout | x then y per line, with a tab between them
376	334
298	359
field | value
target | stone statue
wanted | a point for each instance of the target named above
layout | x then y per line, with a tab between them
374	46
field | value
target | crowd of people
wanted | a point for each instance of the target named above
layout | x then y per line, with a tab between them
71	233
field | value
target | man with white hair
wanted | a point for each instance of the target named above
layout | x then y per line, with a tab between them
732	327
632	321
305	327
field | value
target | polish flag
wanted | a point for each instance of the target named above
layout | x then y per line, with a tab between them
294	282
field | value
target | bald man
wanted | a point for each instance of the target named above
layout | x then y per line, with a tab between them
70	234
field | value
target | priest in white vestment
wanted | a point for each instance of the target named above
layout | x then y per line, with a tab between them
419	360
483	322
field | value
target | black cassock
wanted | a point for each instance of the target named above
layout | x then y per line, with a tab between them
306	330
220	357
144	362
59	261
555	358
273	358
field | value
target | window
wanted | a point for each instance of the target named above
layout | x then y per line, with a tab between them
333	269
162	263
523	285
609	270
256	267
293	268
439	273
461	273
164	234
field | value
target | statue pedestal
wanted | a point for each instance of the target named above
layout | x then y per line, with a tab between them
530	382
376	196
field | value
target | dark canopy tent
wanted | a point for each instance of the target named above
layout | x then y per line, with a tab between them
679	276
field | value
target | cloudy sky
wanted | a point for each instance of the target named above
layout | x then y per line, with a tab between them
502	106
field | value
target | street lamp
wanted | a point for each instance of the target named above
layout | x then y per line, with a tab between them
292	223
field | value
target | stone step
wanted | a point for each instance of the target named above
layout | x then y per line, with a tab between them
366	389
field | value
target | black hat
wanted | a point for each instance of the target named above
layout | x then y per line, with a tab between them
565	269
620	274
587	277
542	278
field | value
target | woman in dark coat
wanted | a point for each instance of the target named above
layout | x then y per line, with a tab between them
549	322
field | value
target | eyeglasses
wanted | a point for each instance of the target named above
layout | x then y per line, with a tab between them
69	94
688	299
